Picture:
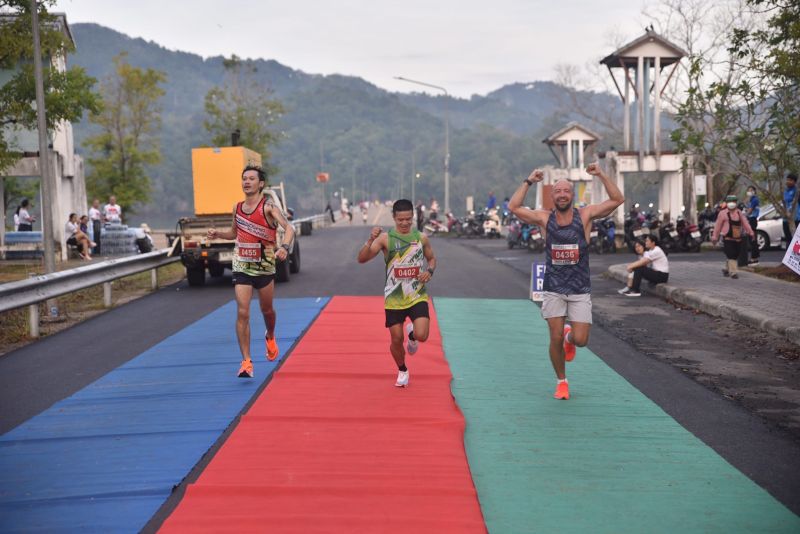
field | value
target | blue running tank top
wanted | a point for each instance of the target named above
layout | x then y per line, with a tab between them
567	257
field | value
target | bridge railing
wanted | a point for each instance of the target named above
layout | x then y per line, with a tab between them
31	291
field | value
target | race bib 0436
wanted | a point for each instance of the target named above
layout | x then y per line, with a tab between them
406	273
565	254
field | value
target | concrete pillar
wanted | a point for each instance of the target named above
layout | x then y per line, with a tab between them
657	111
569	155
640	108
626	132
580	154
2	218
107	294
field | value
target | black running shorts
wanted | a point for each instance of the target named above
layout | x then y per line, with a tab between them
258	282
393	317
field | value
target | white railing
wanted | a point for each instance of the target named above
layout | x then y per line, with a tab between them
31	291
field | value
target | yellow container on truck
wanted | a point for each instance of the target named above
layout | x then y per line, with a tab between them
217	177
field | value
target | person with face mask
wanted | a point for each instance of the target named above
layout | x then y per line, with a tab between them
753	210
731	227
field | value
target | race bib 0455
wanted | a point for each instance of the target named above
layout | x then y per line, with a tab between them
248	251
565	254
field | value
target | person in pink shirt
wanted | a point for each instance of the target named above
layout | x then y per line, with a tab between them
731	226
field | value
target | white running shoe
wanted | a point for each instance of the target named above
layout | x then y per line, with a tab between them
402	379
411	346
624	290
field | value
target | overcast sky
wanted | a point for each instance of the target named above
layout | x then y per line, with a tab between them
467	46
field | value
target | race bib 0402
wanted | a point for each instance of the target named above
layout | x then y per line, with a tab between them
248	251
565	254
406	273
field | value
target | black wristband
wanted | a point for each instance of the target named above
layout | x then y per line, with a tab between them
430	272
528	182
285	247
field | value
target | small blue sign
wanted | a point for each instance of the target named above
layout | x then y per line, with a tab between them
537	281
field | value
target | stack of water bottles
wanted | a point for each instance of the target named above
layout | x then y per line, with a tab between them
23	252
117	240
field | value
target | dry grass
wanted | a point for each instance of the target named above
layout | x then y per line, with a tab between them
74	307
781	272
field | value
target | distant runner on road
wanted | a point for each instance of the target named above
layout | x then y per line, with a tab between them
404	249
255	223
567	287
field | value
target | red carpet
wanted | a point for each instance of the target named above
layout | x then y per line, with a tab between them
332	446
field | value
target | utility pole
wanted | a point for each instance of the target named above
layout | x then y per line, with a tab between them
48	188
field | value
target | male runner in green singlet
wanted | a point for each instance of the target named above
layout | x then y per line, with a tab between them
404	249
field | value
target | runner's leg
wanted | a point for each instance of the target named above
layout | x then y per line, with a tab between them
265	296
244	292
579	335
421	328
556	326
396	346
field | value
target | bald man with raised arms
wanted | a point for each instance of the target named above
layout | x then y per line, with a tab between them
567	287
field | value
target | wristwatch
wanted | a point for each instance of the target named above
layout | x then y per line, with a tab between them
286	247
430	272
528	182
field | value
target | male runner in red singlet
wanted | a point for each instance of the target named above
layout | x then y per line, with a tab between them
255	222
567	286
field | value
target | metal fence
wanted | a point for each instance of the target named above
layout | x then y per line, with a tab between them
31	291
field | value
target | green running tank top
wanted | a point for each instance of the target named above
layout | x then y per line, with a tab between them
404	263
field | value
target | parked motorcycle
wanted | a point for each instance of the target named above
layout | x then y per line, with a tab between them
518	233
491	223
668	237
689	235
602	236
536	240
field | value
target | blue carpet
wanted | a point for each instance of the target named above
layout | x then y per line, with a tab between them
106	458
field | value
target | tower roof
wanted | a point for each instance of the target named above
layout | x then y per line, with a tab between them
650	44
555	137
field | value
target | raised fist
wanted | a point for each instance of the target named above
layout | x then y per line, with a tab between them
594	169
536	176
376	231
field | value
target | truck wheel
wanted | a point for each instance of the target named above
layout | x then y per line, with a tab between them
196	277
294	259
282	271
216	270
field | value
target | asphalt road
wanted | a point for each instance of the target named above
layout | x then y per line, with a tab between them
36	376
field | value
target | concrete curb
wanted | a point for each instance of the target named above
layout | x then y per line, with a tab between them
716	307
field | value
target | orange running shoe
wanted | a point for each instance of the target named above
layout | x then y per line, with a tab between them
562	391
246	370
569	348
272	347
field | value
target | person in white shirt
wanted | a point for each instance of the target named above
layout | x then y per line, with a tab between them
653	267
25	219
96	218
77	238
112	212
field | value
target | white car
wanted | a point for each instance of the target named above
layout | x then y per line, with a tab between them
770	228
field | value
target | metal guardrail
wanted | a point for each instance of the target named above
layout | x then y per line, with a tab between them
31	291
317	221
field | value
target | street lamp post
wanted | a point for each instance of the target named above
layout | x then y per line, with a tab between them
446	138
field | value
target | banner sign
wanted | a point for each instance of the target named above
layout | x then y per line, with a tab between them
792	257
537	281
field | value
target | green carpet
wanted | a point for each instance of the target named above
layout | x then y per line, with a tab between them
607	460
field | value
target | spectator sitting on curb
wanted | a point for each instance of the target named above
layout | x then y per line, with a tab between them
638	249
653	267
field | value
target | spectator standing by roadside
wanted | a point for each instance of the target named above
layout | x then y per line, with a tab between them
790	200
16	219
731	227
112	212
329	210
653	266
753	210
26	220
96	217
420	215
492	202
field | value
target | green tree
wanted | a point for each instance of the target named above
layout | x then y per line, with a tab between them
67	94
129	121
246	105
